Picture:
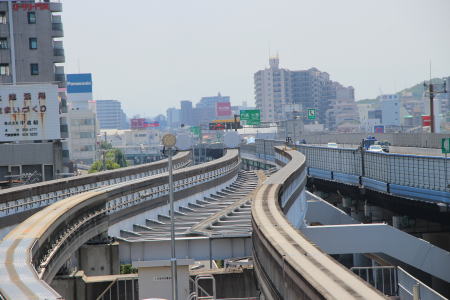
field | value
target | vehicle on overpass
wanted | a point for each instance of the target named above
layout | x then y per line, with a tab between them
375	148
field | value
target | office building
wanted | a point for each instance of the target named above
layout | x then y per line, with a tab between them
82	120
206	110
390	109
186	112
110	114
174	117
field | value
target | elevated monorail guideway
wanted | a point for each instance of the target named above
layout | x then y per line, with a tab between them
33	252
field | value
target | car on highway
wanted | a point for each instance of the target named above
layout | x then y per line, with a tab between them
375	148
332	145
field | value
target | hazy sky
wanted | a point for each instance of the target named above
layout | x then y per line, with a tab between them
150	54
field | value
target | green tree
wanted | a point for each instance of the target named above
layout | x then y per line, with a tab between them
114	159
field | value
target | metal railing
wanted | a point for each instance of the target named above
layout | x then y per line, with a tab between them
21	199
114	290
395	281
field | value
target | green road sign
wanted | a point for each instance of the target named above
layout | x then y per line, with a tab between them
196	130
445	145
251	116
312	113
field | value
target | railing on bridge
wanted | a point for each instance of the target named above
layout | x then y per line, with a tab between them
287	265
18	203
33	252
424	178
394	281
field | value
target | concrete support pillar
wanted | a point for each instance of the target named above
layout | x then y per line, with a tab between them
346	202
397	222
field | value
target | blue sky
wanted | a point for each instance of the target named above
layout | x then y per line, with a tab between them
150	54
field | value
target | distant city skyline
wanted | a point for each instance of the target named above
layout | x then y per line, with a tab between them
152	54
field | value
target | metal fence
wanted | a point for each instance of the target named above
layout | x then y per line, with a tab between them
425	172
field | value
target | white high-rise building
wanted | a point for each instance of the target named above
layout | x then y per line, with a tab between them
271	91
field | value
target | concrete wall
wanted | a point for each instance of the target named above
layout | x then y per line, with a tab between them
27	154
100	259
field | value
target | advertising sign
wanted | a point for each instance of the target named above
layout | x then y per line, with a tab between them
29	112
79	83
251	116
426	121
378	129
223	109
137	123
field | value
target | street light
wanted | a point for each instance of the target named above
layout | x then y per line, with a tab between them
169	141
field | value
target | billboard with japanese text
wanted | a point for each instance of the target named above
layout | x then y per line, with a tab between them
29	112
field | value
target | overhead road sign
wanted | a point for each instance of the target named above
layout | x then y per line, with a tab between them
251	116
312	113
445	145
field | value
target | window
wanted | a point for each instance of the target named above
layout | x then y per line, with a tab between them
3	43
2	17
4	70
32	43
34	69
31	17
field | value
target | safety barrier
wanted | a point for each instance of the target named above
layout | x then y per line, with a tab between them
425	178
18	203
287	265
33	252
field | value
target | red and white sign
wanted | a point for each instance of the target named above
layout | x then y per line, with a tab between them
426	121
31	6
137	123
223	109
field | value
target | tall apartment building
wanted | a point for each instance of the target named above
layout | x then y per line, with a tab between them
272	91
282	94
110	114
31	71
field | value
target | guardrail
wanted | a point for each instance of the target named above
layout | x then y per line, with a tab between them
18	203
32	253
424	178
287	265
412	176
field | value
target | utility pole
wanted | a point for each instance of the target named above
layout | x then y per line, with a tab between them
434	89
